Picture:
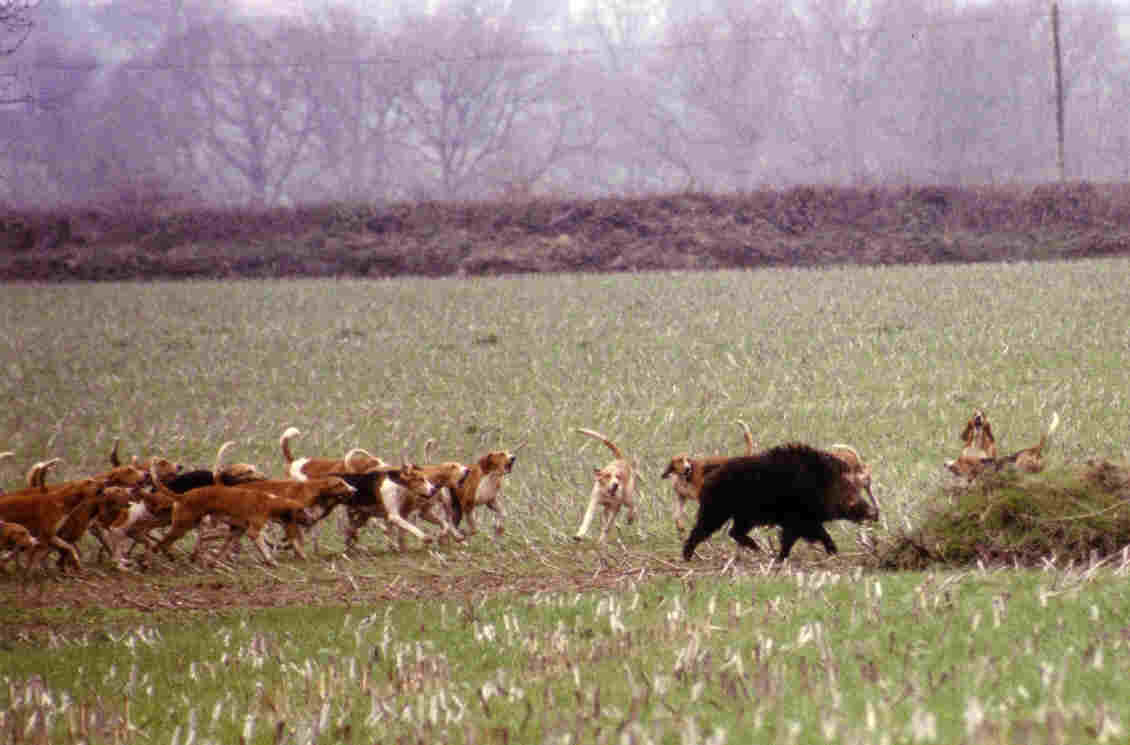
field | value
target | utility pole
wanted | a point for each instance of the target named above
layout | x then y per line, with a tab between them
1059	161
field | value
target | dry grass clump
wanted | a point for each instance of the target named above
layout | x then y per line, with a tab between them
1074	514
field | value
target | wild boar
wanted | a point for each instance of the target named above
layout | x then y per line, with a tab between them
795	486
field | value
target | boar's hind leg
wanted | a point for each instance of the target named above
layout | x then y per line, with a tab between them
739	532
820	534
814	532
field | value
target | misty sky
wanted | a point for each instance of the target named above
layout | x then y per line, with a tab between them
193	102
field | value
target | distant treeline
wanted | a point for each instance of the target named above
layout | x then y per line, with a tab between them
197	102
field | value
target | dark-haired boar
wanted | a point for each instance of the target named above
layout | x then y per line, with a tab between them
795	486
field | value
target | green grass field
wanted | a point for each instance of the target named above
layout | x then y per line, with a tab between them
532	638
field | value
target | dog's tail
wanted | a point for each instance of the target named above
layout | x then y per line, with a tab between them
218	469
115	461
351	458
1046	437
1036	450
611	445
284	442
749	446
37	474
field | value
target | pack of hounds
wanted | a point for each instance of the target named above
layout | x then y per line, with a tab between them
153	503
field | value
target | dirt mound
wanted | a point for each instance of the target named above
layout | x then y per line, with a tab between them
1080	513
804	226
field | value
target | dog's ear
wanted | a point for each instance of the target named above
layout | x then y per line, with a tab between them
989	431
967	432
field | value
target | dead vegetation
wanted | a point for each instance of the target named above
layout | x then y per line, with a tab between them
805	226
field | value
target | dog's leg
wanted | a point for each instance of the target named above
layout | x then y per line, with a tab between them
399	541
312	531
255	532
394	502
100	533
294	536
356	520
590	512
36	555
235	533
406	526
609	517
125	538
680	506
201	540
449	499
437	515
499	517
469	513
66	551
175	533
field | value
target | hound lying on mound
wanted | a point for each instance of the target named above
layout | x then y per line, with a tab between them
977	438
1029	460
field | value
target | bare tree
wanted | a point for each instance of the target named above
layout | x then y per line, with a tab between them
845	55
44	150
250	94
1095	89
15	23
360	107
621	30
971	93
730	80
141	27
147	149
15	26
486	106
